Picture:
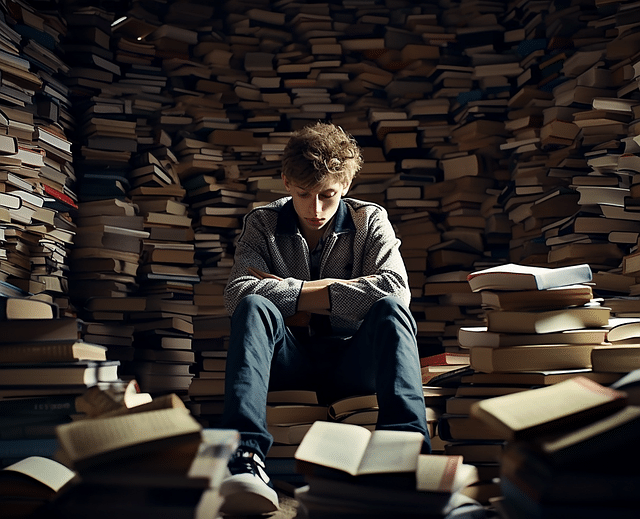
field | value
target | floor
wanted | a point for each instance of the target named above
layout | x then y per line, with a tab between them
288	508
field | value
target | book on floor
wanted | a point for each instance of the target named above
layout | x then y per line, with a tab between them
355	450
28	485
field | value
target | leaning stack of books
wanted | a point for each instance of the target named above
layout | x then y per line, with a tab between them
585	440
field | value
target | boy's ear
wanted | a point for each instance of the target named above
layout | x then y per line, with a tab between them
285	180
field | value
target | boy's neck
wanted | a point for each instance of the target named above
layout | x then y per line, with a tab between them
312	237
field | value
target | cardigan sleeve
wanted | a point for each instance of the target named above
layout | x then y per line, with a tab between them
382	271
252	250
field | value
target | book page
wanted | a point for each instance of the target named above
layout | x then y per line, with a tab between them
47	471
88	438
336	445
391	451
521	411
437	473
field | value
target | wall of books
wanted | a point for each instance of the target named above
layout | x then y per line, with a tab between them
135	135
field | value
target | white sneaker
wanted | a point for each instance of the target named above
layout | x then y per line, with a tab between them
247	490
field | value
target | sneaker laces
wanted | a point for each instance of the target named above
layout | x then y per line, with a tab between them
248	462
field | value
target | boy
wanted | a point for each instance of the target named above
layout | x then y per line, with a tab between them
319	300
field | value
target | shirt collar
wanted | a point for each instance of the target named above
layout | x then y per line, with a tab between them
288	219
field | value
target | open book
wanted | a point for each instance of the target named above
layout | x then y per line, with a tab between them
29	484
357	451
550	409
91	442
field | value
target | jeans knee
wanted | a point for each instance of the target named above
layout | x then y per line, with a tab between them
256	313
252	303
392	309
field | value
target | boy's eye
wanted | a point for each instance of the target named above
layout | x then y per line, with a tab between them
323	196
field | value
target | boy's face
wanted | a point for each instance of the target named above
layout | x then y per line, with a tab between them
315	206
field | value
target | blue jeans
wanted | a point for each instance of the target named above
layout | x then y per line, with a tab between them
381	358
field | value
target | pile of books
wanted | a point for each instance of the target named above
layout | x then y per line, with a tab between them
350	470
554	452
542	327
155	456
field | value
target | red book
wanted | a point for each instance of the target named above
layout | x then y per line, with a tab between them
60	197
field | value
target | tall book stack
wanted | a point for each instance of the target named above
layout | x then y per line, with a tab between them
166	277
124	116
167	273
541	328
109	237
105	136
37	175
44	363
104	263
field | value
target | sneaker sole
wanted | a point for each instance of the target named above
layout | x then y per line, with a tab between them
247	504
247	495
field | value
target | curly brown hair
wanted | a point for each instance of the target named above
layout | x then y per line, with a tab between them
319	153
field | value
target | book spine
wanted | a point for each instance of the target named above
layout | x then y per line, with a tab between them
40	406
25	447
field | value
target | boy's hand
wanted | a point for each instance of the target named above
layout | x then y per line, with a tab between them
298	319
262	275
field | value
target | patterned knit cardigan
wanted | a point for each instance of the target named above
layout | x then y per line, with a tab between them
362	243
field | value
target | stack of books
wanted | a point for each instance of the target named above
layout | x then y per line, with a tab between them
167	275
45	367
125	452
210	341
37	172
542	327
554	452
290	415
520	299
364	479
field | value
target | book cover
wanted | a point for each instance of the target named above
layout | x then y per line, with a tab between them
523	277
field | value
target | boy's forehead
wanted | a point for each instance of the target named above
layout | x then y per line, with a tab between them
320	187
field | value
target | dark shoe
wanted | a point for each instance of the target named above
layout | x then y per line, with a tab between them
247	489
